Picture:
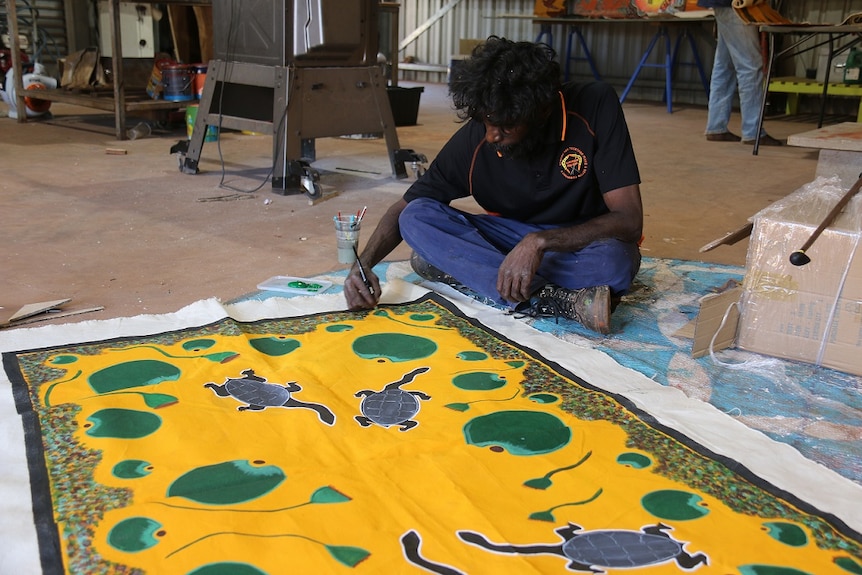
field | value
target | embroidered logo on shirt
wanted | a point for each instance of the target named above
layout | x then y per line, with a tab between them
573	163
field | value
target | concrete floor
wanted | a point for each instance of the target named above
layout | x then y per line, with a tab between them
133	234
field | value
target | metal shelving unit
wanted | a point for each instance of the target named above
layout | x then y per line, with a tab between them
117	101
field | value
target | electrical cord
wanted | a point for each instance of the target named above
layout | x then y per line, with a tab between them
278	128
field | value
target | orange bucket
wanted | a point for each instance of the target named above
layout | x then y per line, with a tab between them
200	78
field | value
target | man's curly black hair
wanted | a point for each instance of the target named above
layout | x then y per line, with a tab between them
506	82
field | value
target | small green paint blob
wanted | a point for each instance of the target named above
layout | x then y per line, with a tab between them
157	400
636	460
122	423
515	363
131	469
131	374
198	344
788	533
422	316
544	398
63	359
479	381
472	355
458	406
274	346
395	347
754	569
338	327
348	555
674	505
518	432
328	494
227	568
543	516
227	483
310	287
134	534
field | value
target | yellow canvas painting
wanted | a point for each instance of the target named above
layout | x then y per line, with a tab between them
407	439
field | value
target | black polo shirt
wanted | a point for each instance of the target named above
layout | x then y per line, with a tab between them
587	152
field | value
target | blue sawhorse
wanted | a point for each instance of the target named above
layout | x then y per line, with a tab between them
670	63
546	35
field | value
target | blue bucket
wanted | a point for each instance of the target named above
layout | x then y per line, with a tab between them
177	81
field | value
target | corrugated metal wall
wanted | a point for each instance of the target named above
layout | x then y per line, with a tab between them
430	31
617	47
50	19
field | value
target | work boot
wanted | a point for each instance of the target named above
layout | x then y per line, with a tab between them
429	272
765	140
591	307
723	137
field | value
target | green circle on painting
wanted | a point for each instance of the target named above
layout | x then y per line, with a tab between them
227	568
519	432
227	482
131	374
339	327
123	423
64	359
199	344
479	381
393	346
636	460
544	398
786	532
134	534
131	469
674	505
422	316
274	346
472	355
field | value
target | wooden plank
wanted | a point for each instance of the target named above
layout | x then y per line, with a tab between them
204	18
105	100
729	238
845	136
178	19
32	309
46	317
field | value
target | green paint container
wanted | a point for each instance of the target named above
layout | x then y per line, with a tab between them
191	118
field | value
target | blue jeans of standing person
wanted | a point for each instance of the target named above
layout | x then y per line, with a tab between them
471	247
738	65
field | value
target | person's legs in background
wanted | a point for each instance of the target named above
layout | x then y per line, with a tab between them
722	86
742	44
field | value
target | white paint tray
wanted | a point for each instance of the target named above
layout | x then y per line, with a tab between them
295	285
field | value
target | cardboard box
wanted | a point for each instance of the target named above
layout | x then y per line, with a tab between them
813	312
466	45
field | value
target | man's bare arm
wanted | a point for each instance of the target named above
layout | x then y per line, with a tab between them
624	222
385	238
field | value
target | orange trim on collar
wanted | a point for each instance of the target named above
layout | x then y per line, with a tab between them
473	165
565	116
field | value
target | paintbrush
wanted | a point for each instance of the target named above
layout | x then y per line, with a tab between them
362	272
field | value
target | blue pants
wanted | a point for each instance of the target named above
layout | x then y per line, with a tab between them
471	248
738	66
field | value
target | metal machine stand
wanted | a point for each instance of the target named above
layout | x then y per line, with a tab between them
295	105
